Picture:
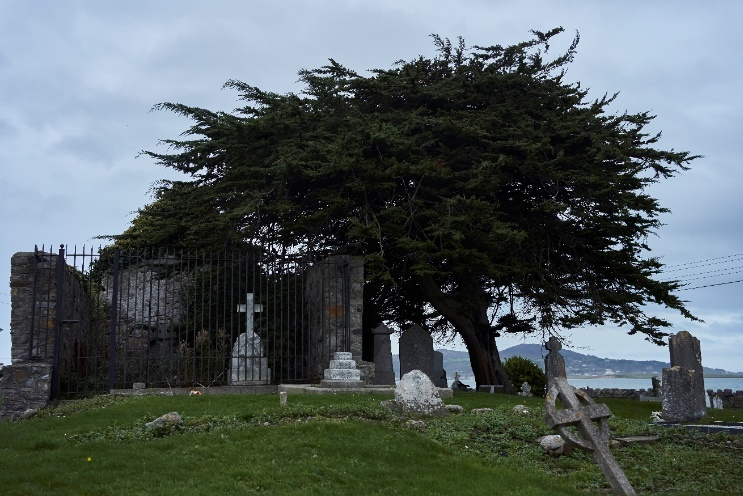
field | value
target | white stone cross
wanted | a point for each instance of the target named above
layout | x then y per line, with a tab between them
243	308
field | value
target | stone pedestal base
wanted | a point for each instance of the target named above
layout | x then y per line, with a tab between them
342	372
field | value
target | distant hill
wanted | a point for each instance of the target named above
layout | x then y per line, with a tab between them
576	364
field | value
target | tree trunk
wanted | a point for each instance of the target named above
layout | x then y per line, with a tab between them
472	324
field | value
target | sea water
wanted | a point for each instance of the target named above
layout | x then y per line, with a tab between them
715	383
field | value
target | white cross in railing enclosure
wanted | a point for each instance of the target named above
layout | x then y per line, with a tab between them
243	308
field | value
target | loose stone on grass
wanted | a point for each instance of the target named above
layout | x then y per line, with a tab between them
168	422
480	411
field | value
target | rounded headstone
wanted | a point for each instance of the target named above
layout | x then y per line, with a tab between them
416	393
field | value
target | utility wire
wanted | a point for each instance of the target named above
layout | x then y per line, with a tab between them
687	279
710	285
711	271
707	277
705	265
702	261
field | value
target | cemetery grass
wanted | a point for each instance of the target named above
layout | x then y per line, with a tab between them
343	444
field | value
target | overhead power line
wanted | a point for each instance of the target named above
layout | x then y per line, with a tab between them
710	285
686	278
703	261
694	265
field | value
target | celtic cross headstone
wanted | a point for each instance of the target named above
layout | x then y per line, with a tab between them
580	411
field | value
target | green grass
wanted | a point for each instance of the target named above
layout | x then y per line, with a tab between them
342	445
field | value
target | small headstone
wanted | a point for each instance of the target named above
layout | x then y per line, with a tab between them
455	408
438	369
683	382
384	374
525	389
717	402
282	398
416	351
458	385
656	386
416	393
521	409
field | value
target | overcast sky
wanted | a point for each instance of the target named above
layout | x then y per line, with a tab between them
78	78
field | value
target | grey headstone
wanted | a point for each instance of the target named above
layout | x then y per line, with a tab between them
685	351
681	401
554	363
683	383
525	389
384	374
416	351
416	393
439	373
656	386
717	402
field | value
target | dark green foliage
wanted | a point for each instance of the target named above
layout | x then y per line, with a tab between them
520	370
486	193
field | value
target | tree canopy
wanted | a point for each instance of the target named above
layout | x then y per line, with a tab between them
486	193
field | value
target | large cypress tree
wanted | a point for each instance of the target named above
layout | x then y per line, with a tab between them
487	194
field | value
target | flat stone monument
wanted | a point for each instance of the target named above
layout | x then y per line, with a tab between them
416	351
581	411
683	383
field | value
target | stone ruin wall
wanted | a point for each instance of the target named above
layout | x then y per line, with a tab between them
27	382
151	305
617	393
324	288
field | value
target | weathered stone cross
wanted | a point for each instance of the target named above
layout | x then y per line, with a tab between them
581	411
243	308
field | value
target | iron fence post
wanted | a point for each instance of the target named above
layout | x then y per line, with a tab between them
114	322
59	301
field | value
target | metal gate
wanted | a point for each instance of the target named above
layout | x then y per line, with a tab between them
109	319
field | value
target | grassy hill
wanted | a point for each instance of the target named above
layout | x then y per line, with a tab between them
344	444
